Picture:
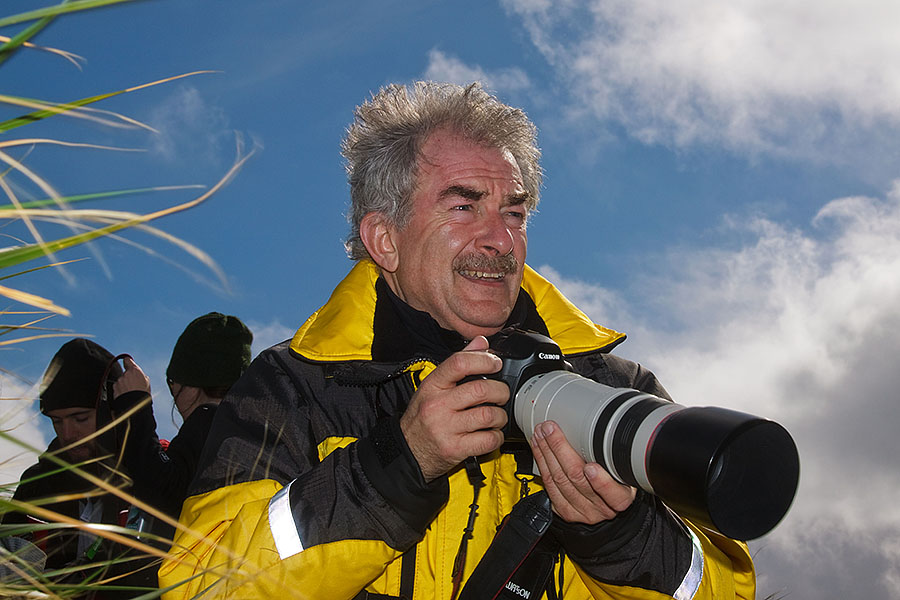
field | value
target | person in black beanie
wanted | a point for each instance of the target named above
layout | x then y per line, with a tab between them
73	394
209	356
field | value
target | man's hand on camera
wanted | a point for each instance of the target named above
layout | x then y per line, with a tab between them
579	492
445	422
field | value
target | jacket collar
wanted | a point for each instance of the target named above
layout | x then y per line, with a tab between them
343	328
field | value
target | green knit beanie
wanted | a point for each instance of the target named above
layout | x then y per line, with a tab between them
213	351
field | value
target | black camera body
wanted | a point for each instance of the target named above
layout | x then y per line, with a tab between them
525	354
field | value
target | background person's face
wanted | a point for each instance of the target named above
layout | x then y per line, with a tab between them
468	213
72	425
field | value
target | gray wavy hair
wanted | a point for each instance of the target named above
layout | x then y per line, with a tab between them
382	145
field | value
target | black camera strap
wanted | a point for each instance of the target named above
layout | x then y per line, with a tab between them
510	568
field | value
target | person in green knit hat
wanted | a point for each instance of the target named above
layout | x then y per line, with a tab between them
211	354
209	357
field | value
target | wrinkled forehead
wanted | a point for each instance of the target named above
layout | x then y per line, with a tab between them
450	152
442	137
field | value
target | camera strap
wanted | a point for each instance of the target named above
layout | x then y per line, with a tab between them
510	568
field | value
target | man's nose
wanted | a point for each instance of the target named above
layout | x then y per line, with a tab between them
496	236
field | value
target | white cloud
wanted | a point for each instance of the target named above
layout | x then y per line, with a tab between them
190	128
802	78
266	335
443	67
19	419
804	328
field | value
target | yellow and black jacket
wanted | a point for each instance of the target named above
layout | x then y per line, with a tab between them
307	489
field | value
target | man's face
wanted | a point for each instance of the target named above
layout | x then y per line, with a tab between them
72	425
462	254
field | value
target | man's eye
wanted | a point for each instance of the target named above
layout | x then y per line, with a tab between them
462	207
515	215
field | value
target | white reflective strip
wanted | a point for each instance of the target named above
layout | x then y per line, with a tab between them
282	525
691	582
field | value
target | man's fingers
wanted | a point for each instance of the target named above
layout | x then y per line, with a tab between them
485	416
473	360
564	470
480	391
616	496
479	342
579	492
482	442
446	420
562	457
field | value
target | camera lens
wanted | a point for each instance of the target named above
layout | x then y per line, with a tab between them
724	469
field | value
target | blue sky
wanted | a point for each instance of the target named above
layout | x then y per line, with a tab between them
720	184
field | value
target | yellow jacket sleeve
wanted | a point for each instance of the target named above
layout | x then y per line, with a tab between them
227	549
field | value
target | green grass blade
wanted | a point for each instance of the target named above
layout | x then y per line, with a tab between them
40	268
102	117
51	11
66	106
54	110
14	256
10	47
94	196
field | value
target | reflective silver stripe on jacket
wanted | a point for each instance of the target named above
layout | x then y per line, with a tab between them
281	523
691	582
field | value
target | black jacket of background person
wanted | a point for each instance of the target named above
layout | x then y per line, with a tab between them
47	479
161	477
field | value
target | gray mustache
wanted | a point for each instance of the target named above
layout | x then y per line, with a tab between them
491	264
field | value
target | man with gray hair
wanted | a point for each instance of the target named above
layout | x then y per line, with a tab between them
340	465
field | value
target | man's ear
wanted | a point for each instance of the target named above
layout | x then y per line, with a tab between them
377	235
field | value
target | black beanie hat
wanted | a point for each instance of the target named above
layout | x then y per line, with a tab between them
213	351
73	377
